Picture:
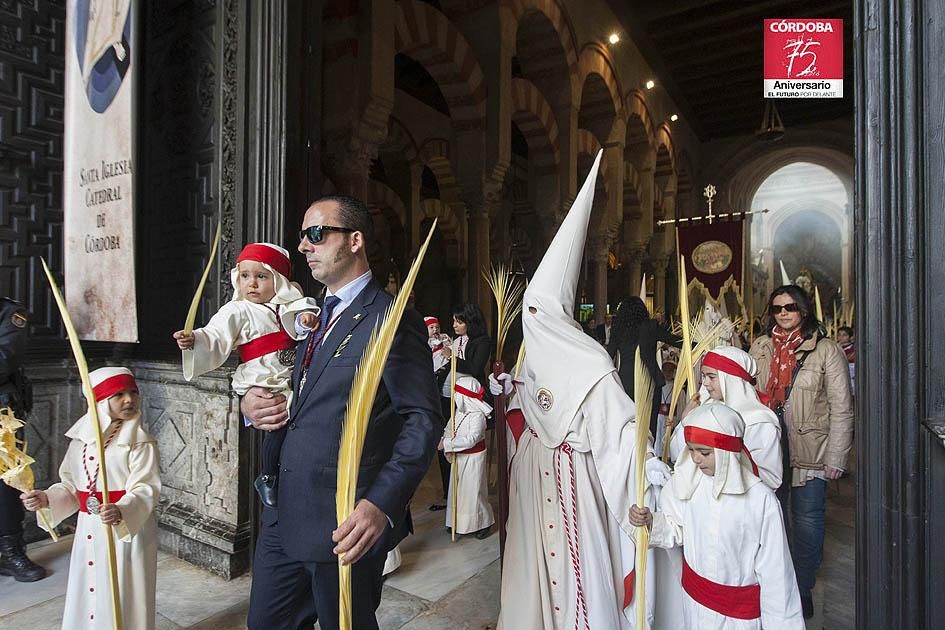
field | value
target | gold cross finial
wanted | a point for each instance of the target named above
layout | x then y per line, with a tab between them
709	192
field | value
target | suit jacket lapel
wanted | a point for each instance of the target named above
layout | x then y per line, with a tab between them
356	313
299	358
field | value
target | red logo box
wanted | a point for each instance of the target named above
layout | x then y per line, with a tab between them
803	58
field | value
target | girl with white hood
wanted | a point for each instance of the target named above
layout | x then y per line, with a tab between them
265	319
466	448
737	570
131	462
728	375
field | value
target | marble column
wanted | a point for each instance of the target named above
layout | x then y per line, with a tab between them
599	275
416	213
659	283
479	259
634	257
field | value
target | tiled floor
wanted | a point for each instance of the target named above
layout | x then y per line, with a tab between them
440	585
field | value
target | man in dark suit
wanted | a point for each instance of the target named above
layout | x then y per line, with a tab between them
299	540
602	334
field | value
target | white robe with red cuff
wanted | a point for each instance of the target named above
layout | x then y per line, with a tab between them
569	543
473	510
131	460
735	540
239	322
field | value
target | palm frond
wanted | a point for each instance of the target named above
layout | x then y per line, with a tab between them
454	468
360	402
643	392
520	360
195	302
688	357
83	367
507	290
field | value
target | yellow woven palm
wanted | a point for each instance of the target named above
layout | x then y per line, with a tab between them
15	465
685	371
83	367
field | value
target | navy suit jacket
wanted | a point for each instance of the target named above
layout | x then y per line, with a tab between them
401	437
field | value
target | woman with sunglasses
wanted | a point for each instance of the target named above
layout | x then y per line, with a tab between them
806	377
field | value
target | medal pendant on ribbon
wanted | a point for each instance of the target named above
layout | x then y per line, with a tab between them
286	357
92	504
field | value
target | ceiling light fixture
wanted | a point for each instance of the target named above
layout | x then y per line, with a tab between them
674	118
772	128
614	38
650	84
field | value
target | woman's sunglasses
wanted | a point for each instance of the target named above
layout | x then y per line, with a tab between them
314	232
774	309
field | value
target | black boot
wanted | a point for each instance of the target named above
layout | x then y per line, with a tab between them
13	561
267	487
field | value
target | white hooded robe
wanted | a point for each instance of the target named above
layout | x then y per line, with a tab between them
731	531
132	463
762	429
569	545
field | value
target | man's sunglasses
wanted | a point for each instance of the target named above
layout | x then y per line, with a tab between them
314	232
774	309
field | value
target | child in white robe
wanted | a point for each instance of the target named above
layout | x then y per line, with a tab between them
134	485
466	448
737	570
728	375
266	317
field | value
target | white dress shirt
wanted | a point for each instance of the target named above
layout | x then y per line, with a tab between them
347	295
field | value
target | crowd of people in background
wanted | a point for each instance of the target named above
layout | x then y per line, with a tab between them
752	449
793	389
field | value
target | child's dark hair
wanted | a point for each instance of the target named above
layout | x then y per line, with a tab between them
845	329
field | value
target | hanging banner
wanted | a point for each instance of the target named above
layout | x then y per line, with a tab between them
98	194
713	255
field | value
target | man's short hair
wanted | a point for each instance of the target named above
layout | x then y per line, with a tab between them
354	214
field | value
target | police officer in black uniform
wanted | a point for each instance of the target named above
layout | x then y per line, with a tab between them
15	393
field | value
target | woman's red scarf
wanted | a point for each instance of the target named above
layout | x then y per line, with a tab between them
782	364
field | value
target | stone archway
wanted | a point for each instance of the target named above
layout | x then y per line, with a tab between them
805	239
740	176
601	105
794	189
427	36
546	51
536	120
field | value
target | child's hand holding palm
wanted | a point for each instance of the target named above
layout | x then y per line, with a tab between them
184	342
110	514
